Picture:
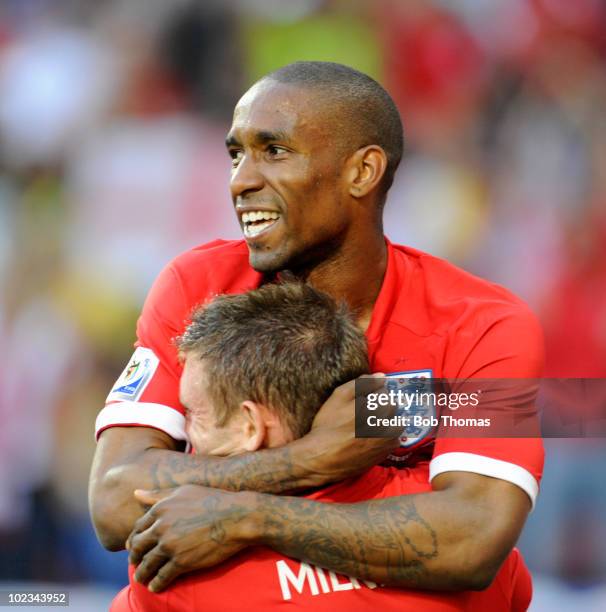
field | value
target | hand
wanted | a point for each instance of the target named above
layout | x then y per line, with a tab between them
331	448
186	528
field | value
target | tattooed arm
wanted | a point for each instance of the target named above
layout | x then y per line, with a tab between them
129	458
453	538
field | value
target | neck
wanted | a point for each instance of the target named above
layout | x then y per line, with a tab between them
354	275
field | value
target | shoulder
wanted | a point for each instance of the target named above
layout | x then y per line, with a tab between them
448	292
447	282
210	269
199	274
475	317
216	257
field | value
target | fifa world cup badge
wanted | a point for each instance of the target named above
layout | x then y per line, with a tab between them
135	377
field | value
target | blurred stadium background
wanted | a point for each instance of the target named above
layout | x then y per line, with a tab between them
112	117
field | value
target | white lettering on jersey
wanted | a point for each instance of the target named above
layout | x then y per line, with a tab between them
310	576
341	586
322	579
286	575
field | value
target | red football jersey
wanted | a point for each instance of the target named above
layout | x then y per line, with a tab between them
431	319
260	579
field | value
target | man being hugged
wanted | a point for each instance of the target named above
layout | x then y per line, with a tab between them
256	368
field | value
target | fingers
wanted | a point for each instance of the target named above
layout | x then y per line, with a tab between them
361	386
369	383
150	497
144	522
142	539
150	565
165	575
156	571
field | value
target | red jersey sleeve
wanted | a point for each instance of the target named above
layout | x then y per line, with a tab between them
147	391
510	347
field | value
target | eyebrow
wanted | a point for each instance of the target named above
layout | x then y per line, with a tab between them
261	137
231	141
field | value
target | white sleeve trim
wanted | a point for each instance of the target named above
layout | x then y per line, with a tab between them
487	466
146	414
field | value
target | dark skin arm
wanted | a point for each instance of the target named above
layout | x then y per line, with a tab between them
129	458
453	538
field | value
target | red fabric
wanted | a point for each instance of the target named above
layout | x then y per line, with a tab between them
261	579
429	316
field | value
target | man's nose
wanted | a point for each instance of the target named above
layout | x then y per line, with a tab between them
246	177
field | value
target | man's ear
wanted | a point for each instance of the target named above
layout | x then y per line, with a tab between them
254	428
365	169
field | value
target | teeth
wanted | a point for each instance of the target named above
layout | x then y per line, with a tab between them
250	231
259	215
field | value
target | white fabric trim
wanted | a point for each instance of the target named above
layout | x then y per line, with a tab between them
487	466
148	414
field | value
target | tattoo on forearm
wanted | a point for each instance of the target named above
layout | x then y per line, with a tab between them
266	471
383	540
214	513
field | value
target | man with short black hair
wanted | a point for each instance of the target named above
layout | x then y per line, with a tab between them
365	112
308	184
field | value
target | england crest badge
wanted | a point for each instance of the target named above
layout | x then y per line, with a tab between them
416	402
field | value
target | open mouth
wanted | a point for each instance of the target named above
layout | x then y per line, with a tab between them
256	222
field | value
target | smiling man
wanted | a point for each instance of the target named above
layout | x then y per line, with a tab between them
314	147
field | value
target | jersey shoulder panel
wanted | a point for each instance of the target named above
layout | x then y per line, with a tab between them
196	276
189	280
443	287
479	322
217	267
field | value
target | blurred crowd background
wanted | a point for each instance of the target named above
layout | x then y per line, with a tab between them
112	120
